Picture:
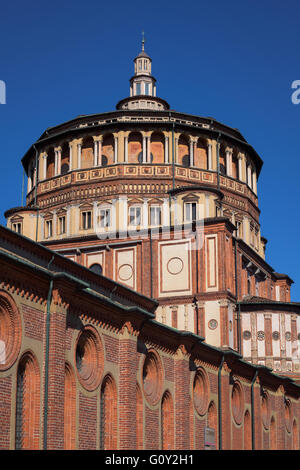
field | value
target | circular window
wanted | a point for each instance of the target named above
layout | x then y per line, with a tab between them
175	265
201	391
212	324
260	335
152	377
10	331
288	336
237	402
89	358
288	415
96	268
246	335
265	410
125	272
275	335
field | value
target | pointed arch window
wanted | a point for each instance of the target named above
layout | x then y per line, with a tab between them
167	422
108	415
27	404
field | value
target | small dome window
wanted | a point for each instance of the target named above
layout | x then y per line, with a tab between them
96	268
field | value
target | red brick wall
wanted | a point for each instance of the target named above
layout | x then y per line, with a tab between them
182	400
5	407
33	321
167	422
30	402
87	431
139	419
152	429
56	380
110	416
127	393
69	409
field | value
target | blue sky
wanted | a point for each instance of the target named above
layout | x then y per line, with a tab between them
233	60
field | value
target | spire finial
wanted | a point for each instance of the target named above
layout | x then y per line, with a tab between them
143	41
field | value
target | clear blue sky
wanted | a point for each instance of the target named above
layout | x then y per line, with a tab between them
233	60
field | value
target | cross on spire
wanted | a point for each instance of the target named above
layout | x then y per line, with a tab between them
143	41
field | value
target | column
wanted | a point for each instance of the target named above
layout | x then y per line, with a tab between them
166	149
254	182
126	148
29	184
95	152
209	156
191	153
59	161
45	165
70	156
228	162
100	152
74	154
116	150
79	155
55	162
249	179
144	149
214	155
176	150
242	167
148	142
145	213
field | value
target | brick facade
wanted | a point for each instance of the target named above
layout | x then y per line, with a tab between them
147	395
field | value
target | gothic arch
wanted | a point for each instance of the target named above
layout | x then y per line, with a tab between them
108	414
70	409
27	403
167	422
212	420
247	431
